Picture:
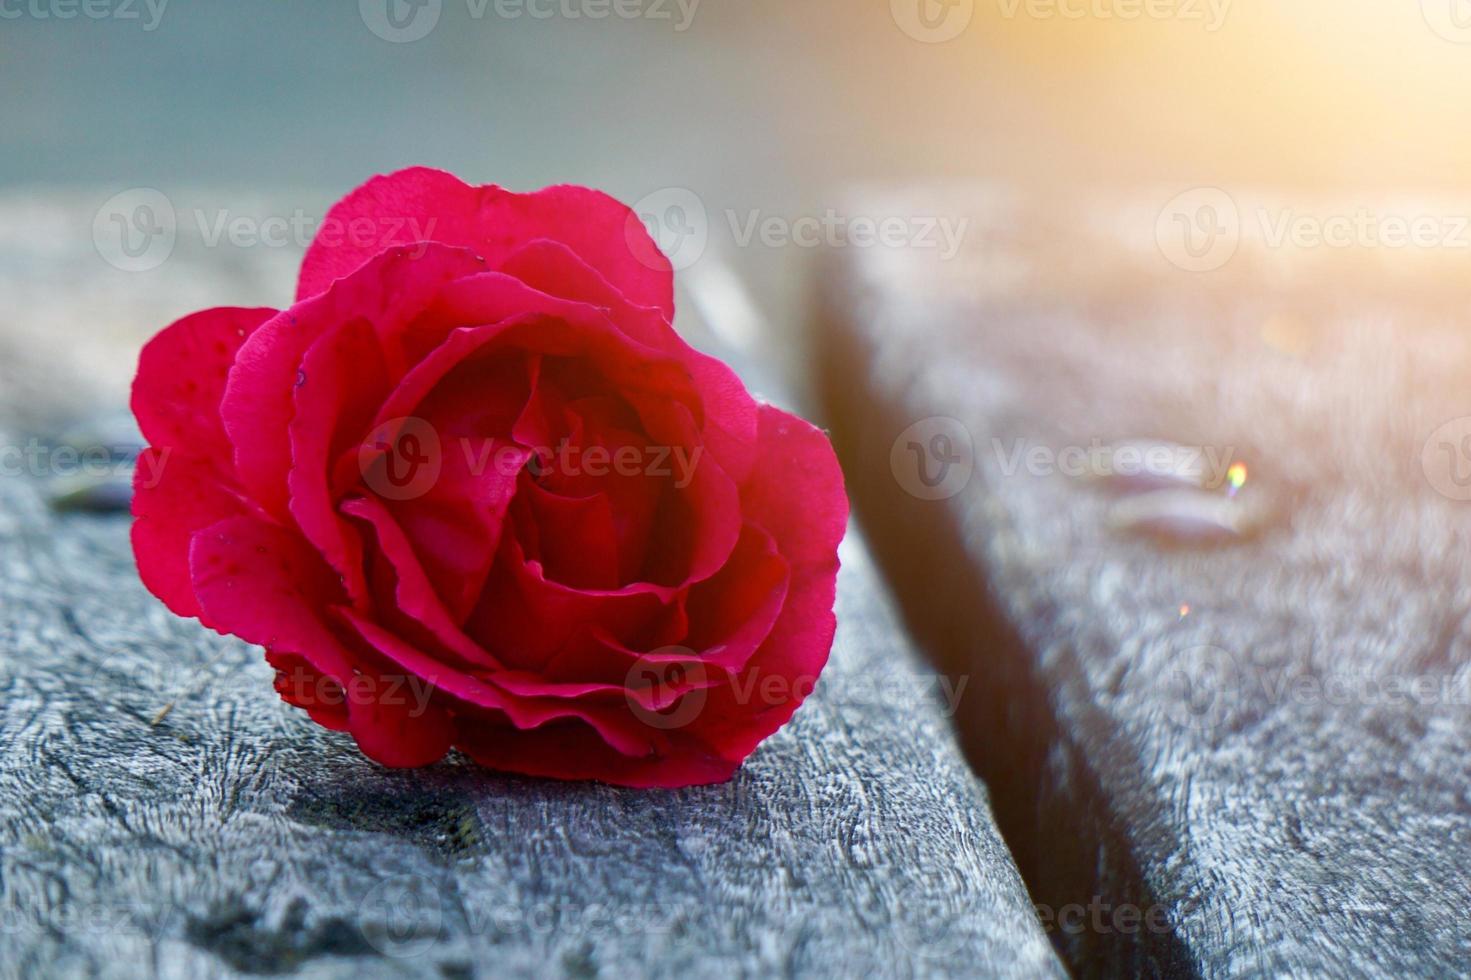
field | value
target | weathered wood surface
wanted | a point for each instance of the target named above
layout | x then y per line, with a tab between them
1244	766
236	837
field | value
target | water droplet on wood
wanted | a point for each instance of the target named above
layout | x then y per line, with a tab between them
1189	517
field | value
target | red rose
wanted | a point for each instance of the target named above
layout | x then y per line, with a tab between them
477	493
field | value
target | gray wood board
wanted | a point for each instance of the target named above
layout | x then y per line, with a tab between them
237	837
1280	771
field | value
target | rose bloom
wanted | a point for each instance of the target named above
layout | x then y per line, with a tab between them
475	492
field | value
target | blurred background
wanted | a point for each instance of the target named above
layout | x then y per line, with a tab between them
760	108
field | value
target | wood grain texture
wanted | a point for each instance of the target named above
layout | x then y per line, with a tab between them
236	837
1246	767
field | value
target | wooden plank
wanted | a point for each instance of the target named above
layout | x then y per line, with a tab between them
1261	735
234	836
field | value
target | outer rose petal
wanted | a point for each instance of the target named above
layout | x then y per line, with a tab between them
734	612
422	204
795	493
302	685
395	729
737	718
185	480
181	380
187	497
264	584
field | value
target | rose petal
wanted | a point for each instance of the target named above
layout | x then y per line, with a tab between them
694	675
267	586
344	381
525	619
653	383
258	404
578	545
422	204
181	381
740	716
618	729
481	392
700	523
796	494
393	728
174	496
708	511
414	596
303	686
796	490
598	464
729	410
456	526
733	612
720	624
541	322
